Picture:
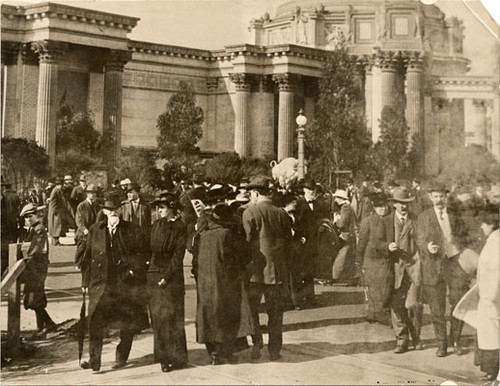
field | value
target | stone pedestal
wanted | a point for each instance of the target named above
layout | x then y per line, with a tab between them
286	129
49	53
112	111
242	84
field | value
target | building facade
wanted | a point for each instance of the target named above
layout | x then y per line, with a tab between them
406	53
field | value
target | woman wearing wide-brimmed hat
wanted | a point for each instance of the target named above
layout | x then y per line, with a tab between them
223	311
166	284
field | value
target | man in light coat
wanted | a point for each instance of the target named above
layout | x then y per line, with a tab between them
86	215
268	230
59	214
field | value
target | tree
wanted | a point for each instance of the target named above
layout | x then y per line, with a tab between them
23	160
180	125
230	168
337	139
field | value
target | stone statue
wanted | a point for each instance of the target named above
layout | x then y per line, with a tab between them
335	37
300	26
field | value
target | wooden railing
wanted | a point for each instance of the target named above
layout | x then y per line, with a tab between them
12	286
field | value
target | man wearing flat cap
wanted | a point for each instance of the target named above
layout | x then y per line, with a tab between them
86	215
114	269
441	236
268	231
400	244
136	210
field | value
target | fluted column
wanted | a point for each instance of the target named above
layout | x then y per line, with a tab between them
49	53
389	67
10	53
243	83
286	129
415	95
114	64
480	128
267	133
209	136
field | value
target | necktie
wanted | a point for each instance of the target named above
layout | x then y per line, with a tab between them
441	217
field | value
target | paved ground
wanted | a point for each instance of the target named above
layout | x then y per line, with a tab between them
330	344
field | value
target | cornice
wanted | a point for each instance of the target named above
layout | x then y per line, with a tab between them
169	50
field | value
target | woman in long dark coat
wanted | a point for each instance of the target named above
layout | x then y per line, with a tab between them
166	284
35	251
223	312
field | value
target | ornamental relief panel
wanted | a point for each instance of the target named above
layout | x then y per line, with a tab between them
156	81
279	36
336	36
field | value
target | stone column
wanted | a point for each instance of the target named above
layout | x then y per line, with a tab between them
286	129
27	91
415	95
10	53
267	118
49	53
480	132
388	65
211	114
243	83
114	62
368	95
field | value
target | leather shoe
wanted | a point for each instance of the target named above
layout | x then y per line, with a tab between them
441	352
86	365
458	349
255	352
417	344
119	365
401	348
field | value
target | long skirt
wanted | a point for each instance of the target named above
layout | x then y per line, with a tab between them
380	281
166	306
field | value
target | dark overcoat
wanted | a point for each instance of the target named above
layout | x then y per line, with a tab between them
343	266
36	251
268	232
141	218
223	311
58	213
86	215
166	303
108	278
378	266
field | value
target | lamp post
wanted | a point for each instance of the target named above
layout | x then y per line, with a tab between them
301	121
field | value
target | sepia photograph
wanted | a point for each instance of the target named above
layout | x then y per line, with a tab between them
264	192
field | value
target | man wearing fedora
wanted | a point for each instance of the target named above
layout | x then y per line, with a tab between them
345	222
268	232
86	215
441	236
400	241
114	269
136	210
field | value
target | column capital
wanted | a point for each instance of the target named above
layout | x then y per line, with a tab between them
28	56
49	51
389	60
285	81
212	83
479	103
414	60
243	81
10	50
267	83
115	60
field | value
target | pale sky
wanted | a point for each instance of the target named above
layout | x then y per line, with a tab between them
212	24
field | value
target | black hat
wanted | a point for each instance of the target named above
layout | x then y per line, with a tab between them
112	201
378	199
309	184
259	182
169	199
438	187
401	195
134	186
215	195
222	214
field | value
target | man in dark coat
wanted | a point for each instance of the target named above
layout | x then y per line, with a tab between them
114	274
78	194
441	236
400	227
268	231
137	211
86	215
372	254
58	212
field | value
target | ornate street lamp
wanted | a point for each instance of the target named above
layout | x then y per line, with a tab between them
301	121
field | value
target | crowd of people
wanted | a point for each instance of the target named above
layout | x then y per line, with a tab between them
405	244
